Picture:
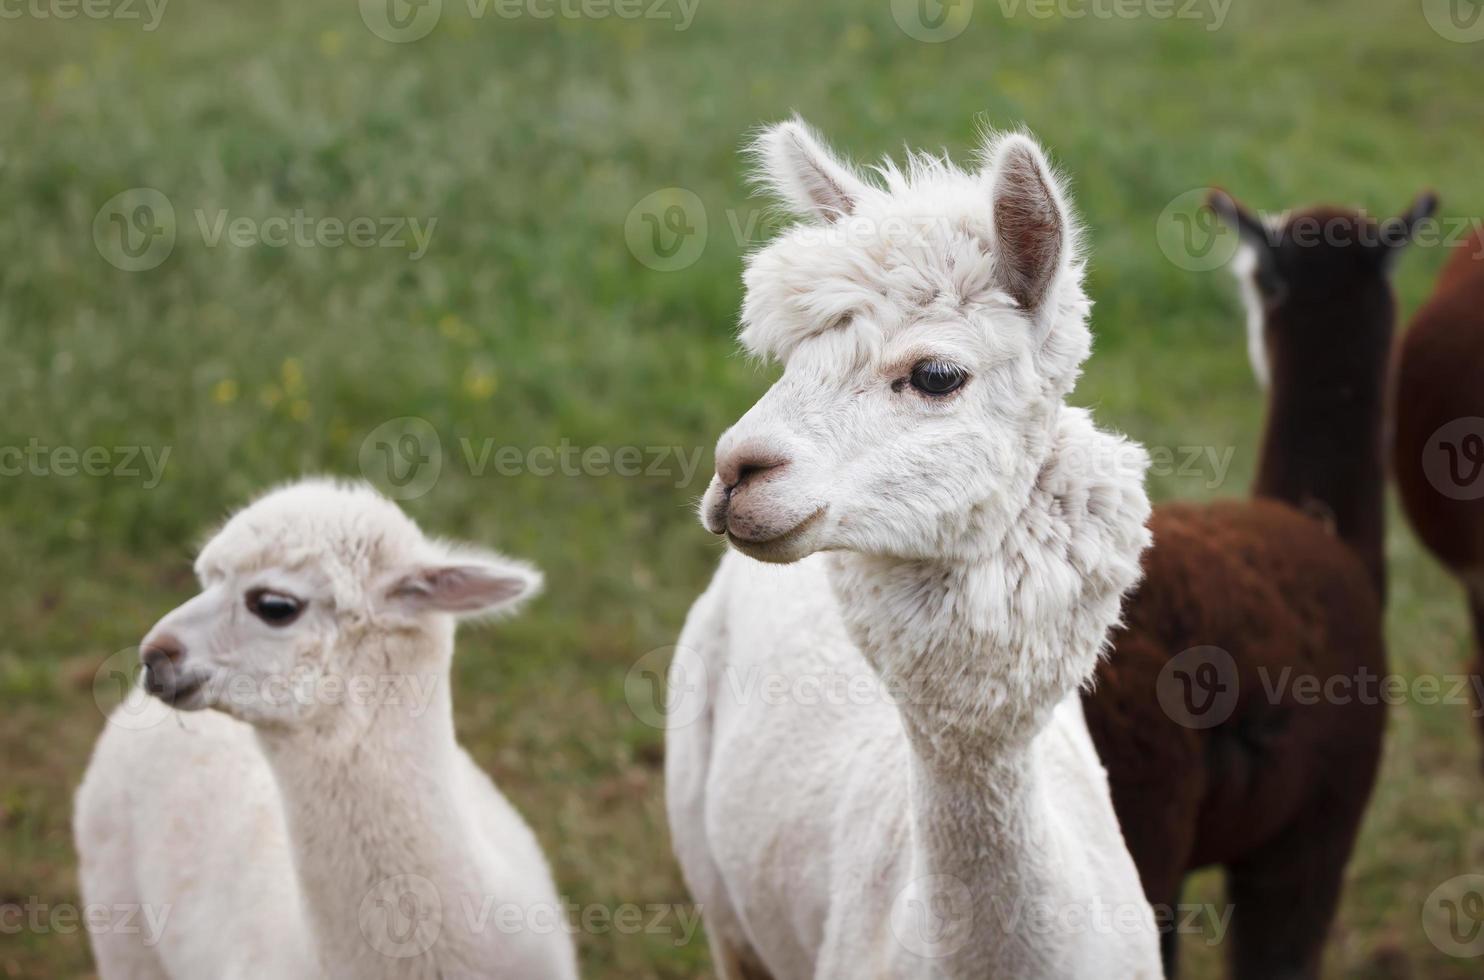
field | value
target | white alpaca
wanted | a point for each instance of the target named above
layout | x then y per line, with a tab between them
877	764
323	820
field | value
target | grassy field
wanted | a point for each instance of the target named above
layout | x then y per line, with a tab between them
540	315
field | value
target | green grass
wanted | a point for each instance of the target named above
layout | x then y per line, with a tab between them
529	321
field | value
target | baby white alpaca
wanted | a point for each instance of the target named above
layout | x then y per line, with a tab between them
877	764
322	821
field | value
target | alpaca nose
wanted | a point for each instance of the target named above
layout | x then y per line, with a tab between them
747	464
740	463
162	655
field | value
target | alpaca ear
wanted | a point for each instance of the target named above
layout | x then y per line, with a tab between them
1397	233
1032	229
1247	226
1251	231
796	167
465	586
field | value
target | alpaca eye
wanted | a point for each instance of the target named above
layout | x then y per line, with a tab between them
937	378
273	608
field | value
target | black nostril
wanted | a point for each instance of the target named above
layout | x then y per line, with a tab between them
746	470
750	469
159	672
163	646
160	658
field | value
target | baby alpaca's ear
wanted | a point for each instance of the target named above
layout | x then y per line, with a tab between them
465	586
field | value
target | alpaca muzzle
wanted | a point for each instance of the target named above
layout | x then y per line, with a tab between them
164	677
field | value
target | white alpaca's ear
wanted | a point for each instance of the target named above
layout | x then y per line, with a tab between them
474	586
1032	229
796	166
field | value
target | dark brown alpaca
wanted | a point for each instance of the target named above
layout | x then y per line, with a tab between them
1438	451
1217	752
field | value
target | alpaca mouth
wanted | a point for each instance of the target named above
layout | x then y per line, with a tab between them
779	547
186	692
178	695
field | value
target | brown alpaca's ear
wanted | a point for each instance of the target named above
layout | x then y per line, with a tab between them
1254	234
1031	230
1247	226
1399	232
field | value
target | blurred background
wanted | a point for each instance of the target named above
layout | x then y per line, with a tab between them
470	250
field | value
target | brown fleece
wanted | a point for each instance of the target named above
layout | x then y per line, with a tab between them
1287	585
1439	381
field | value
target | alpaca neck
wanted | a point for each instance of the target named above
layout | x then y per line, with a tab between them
379	826
984	854
980	650
1322	454
973	785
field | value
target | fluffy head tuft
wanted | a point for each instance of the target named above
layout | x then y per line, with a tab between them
924	242
365	547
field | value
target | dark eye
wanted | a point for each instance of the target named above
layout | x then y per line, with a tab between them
938	378
274	608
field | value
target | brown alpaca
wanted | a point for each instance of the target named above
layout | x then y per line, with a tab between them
1217	752
1438	450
